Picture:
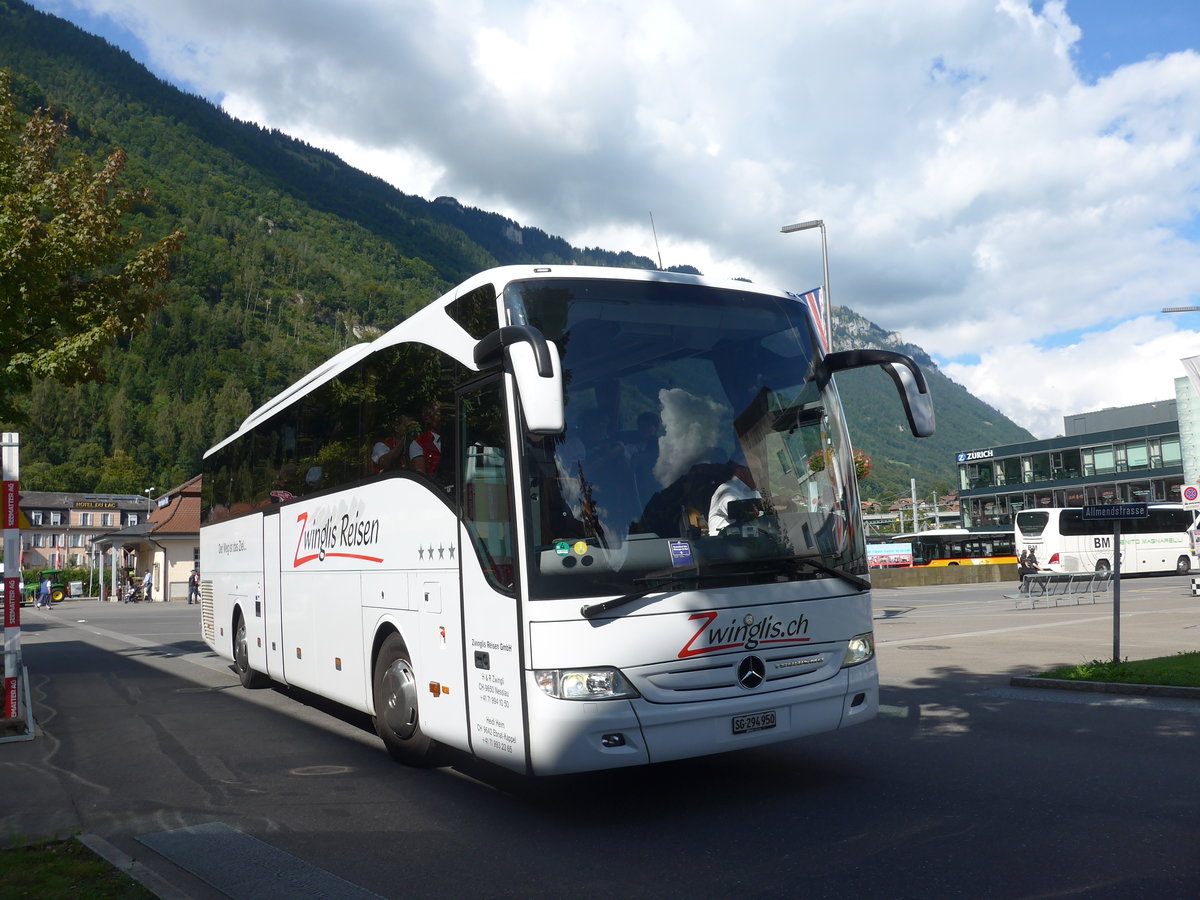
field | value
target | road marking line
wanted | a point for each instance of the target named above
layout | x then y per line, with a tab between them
960	634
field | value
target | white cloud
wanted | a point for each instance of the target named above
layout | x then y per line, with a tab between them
1137	362
979	195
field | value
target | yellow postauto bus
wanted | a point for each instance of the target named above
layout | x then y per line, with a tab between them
960	547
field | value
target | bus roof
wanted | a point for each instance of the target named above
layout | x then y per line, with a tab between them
431	325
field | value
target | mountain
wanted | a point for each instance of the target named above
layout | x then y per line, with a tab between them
879	428
290	256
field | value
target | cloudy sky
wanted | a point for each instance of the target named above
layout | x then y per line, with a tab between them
1012	185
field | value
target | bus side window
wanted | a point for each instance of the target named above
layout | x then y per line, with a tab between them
485	492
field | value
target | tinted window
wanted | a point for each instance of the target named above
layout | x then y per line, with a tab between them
400	397
1032	524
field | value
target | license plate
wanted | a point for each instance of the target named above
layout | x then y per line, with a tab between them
759	721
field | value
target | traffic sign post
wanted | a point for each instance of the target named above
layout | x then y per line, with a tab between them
1116	512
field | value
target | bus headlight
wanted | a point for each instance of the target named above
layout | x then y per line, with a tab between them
584	684
861	649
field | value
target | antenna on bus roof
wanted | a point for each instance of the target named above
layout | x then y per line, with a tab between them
654	231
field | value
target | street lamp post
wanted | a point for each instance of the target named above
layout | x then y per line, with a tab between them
148	491
805	226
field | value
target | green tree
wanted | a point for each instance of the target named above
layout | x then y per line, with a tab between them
120	474
70	280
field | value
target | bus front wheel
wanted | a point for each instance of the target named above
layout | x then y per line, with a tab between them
1102	566
241	658
397	718
1183	565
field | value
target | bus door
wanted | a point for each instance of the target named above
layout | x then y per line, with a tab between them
491	645
268	611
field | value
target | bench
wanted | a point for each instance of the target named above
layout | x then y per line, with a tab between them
1061	587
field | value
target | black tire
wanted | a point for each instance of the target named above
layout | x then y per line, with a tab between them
241	658
1103	566
1183	566
397	716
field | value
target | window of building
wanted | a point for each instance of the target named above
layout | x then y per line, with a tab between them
35	517
1137	456
1102	461
39	540
1135	492
106	520
1008	470
131	519
75	540
1038	499
975	475
1036	467
1065	464
1170	452
56	517
85	519
1099	494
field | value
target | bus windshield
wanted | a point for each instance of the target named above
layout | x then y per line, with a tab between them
699	449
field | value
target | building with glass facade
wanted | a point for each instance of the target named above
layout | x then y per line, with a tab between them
1126	455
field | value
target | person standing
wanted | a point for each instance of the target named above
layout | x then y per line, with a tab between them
194	587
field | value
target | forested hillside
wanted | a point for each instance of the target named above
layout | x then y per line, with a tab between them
878	426
289	256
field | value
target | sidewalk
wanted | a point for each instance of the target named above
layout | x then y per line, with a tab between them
76	777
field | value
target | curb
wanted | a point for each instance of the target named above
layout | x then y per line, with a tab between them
150	880
1107	687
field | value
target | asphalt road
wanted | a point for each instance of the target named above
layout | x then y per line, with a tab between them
964	787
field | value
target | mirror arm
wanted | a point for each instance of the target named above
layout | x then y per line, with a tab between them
488	350
857	359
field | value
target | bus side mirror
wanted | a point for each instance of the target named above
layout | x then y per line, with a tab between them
535	366
910	382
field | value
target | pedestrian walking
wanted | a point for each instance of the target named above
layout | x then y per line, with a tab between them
148	586
43	601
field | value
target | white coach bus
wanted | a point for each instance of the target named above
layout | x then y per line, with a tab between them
563	518
1064	541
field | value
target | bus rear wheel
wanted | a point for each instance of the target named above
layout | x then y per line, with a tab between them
1183	565
397	716
241	658
1102	566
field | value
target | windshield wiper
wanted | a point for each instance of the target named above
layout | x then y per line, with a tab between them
662	582
856	580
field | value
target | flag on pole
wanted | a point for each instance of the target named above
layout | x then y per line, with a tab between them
813	300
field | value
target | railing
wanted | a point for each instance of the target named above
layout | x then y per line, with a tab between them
1060	587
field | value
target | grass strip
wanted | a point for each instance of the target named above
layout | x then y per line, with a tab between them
64	870
1182	669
